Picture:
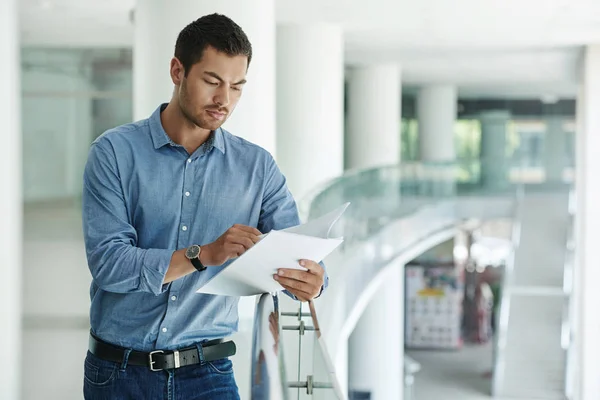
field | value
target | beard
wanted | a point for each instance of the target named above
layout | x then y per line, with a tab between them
199	118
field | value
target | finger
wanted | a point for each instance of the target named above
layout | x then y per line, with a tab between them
235	250
248	229
297	285
302	276
312	266
243	240
300	295
242	233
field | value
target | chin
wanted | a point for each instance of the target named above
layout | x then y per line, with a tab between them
203	124
212	126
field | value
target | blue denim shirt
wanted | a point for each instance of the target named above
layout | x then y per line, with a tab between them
145	197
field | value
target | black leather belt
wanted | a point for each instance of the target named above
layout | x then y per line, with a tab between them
159	359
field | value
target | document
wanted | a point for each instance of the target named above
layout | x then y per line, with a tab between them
252	272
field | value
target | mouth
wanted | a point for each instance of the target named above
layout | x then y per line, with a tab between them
216	114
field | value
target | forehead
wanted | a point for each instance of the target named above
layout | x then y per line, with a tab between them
227	67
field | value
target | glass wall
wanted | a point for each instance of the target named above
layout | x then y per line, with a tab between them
70	96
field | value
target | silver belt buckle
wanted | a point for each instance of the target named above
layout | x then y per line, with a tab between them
152	362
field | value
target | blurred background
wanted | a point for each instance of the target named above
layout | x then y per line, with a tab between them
464	133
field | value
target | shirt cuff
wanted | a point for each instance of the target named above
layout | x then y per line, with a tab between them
287	292
155	265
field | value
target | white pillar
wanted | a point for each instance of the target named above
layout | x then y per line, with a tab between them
376	346
310	104
588	214
10	202
157	24
374	112
555	149
436	113
494	164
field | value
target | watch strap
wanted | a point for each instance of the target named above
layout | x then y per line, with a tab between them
198	264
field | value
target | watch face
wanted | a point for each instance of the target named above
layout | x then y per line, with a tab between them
192	251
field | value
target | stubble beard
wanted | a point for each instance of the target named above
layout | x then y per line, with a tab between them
186	111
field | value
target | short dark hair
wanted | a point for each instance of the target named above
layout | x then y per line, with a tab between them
214	30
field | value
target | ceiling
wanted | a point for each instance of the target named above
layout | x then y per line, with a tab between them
512	48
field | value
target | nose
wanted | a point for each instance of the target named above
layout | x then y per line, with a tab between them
222	96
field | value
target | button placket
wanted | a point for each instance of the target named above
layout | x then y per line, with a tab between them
184	225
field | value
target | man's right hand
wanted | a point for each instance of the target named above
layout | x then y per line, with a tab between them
232	244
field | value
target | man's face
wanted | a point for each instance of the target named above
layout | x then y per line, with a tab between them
212	88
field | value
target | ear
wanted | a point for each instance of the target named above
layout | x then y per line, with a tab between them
177	71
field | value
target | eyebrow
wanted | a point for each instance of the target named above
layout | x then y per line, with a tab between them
214	75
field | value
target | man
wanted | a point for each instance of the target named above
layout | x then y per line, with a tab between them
167	203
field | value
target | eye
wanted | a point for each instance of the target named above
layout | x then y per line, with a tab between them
237	88
211	83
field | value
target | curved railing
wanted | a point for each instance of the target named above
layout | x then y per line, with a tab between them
397	212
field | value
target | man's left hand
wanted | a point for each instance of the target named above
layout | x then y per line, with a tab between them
305	285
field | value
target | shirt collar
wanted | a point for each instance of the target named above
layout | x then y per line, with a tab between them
160	137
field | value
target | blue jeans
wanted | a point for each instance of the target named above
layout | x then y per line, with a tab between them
106	380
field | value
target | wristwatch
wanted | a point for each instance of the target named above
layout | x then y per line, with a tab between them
193	254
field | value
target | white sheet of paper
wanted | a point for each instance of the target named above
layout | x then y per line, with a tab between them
320	227
252	273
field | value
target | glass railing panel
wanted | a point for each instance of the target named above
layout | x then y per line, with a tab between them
314	376
268	376
394	208
325	384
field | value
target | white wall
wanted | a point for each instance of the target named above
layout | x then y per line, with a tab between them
588	212
10	204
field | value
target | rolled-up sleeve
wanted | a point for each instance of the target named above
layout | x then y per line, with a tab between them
115	262
279	210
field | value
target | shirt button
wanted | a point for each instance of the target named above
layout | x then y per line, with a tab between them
173	298
187	194
189	160
184	228
164	330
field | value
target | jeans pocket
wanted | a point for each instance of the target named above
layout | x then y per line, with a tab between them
223	366
99	372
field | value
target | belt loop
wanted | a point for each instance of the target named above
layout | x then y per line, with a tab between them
200	353
125	359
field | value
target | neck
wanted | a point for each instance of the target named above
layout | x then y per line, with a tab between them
181	130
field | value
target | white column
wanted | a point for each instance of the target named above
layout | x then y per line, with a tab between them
157	24
588	214
555	149
436	113
374	112
494	164
10	202
310	104
376	346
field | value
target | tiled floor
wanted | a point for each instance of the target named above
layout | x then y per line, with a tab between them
453	375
